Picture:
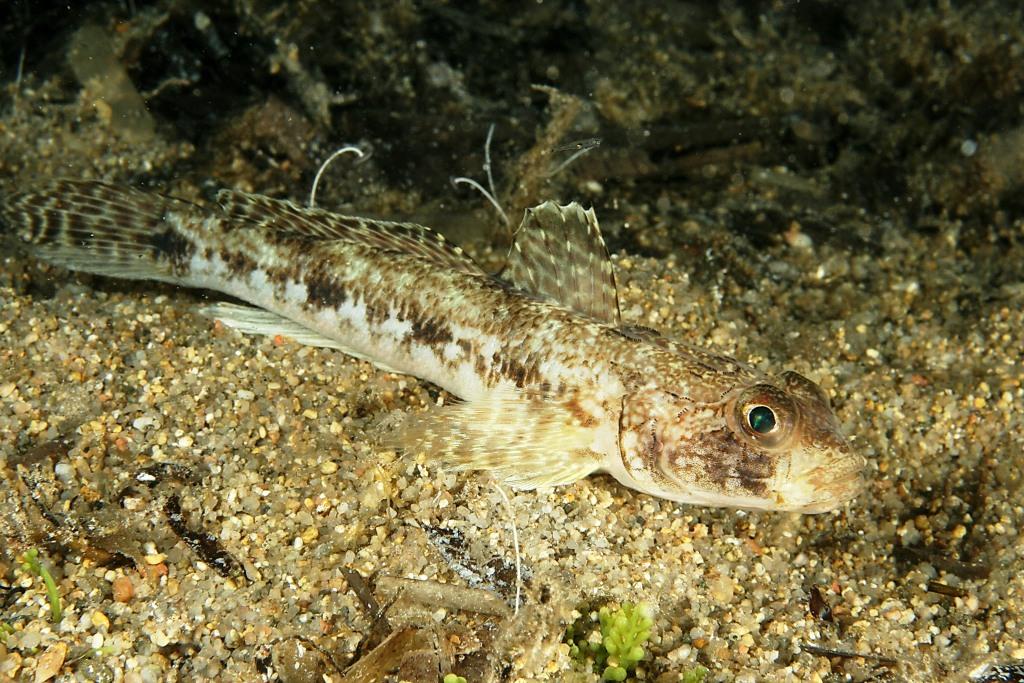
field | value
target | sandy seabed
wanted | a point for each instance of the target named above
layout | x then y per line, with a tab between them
221	507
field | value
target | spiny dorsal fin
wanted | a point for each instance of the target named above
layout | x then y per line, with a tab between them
283	216
558	252
525	439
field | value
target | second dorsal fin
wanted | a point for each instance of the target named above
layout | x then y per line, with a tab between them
558	252
283	216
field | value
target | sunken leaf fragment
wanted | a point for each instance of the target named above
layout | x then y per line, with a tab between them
108	85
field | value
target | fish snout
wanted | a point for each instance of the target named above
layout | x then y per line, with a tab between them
828	485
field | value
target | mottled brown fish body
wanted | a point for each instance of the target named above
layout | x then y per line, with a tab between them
554	386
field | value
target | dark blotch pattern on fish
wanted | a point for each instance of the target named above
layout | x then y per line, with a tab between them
729	462
323	290
430	331
170	245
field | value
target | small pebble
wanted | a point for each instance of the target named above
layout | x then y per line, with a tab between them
99	619
122	589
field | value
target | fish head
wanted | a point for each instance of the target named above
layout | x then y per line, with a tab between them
771	445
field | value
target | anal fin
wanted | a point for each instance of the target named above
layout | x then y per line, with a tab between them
252	320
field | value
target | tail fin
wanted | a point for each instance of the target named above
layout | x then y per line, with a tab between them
105	229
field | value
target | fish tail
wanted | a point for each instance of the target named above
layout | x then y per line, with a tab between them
106	229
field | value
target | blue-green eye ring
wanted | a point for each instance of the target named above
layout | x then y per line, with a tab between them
761	419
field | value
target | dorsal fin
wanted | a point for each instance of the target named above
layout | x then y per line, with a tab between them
558	252
641	333
284	216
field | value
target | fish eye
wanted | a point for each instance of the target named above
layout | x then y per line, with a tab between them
761	419
765	415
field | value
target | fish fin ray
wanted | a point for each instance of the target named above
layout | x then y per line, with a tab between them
105	229
257	321
525	439
558	253
278	215
642	333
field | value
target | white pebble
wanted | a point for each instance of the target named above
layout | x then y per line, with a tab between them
141	423
64	472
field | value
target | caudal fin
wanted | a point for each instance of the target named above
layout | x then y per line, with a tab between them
105	229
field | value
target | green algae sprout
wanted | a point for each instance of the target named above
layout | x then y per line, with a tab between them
30	564
619	647
695	675
623	634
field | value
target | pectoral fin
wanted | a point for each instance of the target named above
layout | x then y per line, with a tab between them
525	439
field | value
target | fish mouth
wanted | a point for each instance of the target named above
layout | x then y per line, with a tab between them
825	488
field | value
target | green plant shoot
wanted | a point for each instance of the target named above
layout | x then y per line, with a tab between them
623	634
695	675
30	563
